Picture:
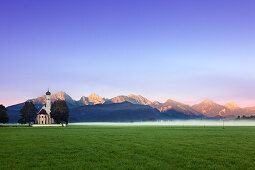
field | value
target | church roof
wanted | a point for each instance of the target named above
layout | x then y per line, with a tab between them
48	93
43	112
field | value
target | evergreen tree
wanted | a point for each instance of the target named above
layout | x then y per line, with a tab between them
3	115
28	113
60	112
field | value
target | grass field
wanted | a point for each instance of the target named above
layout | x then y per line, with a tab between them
101	147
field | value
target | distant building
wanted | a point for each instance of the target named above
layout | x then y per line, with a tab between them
43	116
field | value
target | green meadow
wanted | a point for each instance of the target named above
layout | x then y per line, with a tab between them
144	147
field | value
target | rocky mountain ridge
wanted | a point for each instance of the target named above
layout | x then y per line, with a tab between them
229	110
94	99
206	108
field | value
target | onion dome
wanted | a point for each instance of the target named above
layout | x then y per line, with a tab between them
48	93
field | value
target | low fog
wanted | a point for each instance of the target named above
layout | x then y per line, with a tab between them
174	123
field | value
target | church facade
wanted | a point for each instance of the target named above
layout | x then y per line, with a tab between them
43	116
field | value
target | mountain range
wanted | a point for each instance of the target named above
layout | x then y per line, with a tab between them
135	108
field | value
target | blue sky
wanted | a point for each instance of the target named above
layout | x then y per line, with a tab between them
179	49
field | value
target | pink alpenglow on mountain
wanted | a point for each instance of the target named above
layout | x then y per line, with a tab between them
207	108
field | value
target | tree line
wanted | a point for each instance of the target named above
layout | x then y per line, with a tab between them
3	115
28	113
245	117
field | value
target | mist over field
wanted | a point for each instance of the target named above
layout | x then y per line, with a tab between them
173	123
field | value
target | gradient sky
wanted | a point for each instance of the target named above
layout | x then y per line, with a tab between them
185	50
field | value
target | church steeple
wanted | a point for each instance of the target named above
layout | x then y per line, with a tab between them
48	102
48	92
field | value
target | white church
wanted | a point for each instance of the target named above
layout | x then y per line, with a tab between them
43	116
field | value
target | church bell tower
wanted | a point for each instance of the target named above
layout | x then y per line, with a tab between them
48	102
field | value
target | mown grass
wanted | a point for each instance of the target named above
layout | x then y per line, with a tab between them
95	147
